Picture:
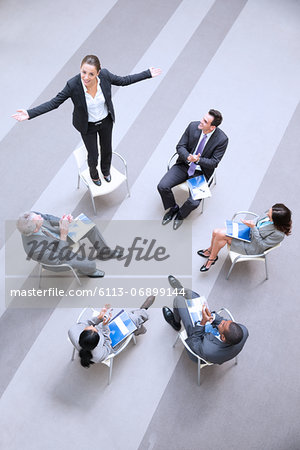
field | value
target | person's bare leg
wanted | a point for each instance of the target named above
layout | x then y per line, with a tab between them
215	232
207	251
219	240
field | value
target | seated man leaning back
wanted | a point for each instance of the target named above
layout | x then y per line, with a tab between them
45	239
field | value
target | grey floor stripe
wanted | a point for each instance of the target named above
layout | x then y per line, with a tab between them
49	139
263	390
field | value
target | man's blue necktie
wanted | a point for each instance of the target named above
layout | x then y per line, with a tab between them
200	148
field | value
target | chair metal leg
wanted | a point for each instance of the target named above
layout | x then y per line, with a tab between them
73	354
40	274
127	185
78	182
92	198
266	267
75	275
199	371
202	206
177	339
110	370
230	270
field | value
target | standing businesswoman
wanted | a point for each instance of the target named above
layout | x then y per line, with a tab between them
93	113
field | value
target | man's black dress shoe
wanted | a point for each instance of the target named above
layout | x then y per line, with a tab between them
174	283
177	221
169	215
148	302
107	178
97	274
97	182
169	317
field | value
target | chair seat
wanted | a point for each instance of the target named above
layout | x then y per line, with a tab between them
183	186
117	178
234	255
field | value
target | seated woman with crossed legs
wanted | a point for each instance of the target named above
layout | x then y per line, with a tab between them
266	232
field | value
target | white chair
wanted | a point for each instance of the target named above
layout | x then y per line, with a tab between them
237	257
117	177
56	268
59	267
184	186
110	359
182	335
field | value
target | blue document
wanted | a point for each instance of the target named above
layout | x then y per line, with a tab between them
80	227
238	230
120	327
194	306
198	187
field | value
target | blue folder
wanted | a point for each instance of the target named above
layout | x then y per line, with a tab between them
120	327
198	187
238	230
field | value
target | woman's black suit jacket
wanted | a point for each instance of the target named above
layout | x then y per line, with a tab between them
74	89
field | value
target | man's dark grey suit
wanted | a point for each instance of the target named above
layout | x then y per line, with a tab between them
204	344
211	156
48	250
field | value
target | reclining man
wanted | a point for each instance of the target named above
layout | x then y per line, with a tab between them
45	239
215	339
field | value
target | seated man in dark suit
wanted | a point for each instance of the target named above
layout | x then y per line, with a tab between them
215	339
200	150
45	239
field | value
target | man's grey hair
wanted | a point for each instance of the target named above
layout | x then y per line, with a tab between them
26	224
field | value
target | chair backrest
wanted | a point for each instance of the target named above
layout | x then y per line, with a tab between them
80	156
183	336
244	329
246	213
171	162
272	248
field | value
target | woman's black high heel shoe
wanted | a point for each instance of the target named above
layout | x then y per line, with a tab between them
204	268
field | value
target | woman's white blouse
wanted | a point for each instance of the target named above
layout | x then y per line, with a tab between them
96	106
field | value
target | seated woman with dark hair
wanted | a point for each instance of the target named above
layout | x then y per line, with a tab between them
266	232
91	337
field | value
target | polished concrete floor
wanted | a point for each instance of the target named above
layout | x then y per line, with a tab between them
238	56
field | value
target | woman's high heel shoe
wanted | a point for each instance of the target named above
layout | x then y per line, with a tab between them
204	268
202	253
